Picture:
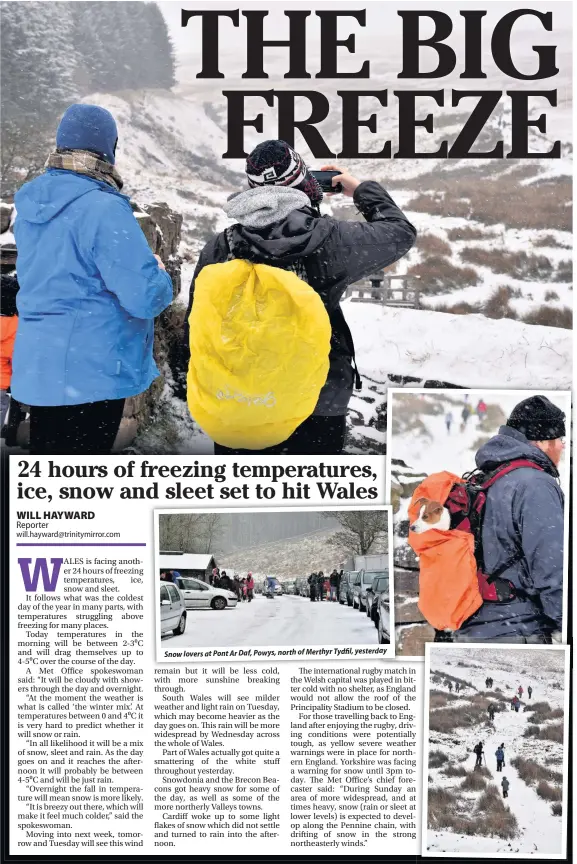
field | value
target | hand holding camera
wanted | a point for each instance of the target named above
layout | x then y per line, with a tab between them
333	180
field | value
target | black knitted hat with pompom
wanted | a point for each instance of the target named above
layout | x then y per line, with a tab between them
275	163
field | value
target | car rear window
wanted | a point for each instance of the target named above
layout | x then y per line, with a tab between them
174	595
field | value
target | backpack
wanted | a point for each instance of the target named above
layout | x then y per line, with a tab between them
259	353
453	583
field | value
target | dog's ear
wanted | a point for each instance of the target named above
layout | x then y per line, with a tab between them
437	509
420	502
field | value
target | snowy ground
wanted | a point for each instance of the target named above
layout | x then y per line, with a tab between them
461	350
538	831
281	621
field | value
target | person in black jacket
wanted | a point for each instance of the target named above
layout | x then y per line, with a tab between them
278	222
312	580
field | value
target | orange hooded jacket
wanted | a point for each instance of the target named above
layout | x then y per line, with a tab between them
448	584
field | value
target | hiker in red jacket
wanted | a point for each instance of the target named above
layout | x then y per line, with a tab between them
249	587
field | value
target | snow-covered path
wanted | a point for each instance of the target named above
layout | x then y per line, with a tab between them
281	621
538	828
539	831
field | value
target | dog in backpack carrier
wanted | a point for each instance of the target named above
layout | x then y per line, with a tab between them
432	514
446	521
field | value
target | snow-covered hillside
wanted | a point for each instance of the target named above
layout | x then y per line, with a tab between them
421	445
466	811
287	559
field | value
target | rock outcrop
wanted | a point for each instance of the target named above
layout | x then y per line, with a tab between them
162	228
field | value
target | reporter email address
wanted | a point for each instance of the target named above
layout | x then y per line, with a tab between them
30	532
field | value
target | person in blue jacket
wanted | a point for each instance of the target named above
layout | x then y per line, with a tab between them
523	528
90	288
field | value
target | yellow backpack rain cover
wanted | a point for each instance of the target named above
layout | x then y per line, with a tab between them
259	353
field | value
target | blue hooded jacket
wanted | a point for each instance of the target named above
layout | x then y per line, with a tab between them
90	289
524	512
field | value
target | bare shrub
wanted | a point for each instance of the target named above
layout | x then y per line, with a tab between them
438	699
437	275
467	233
497	306
433	245
501	199
443	812
564	272
474	782
557	808
518	265
541	712
548	240
551	295
545	733
497	818
457	308
550	316
455	771
437	758
548	792
531	772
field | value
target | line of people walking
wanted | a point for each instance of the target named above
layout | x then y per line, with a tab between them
466	412
500	763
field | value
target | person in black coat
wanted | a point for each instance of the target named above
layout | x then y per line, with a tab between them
312	580
225	581
278	222
523	528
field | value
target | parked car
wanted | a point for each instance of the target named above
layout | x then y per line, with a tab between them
379	585
384	619
346	591
172	609
361	588
200	595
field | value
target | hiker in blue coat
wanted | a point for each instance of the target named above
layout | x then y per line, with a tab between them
90	288
523	528
500	756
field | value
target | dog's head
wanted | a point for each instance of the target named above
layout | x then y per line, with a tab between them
432	514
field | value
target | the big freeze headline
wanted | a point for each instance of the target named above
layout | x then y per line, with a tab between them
326	51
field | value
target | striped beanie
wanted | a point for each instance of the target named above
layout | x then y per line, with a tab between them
275	163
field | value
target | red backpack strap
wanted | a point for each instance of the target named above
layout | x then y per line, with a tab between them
507	468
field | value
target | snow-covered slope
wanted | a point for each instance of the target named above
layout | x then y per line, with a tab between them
287	559
459	720
461	350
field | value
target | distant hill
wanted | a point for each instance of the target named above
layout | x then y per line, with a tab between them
287	559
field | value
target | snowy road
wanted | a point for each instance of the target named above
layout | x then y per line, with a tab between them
282	621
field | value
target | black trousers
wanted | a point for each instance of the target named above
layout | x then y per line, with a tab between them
88	429
322	436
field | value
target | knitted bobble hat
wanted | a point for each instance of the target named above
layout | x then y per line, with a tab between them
275	163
